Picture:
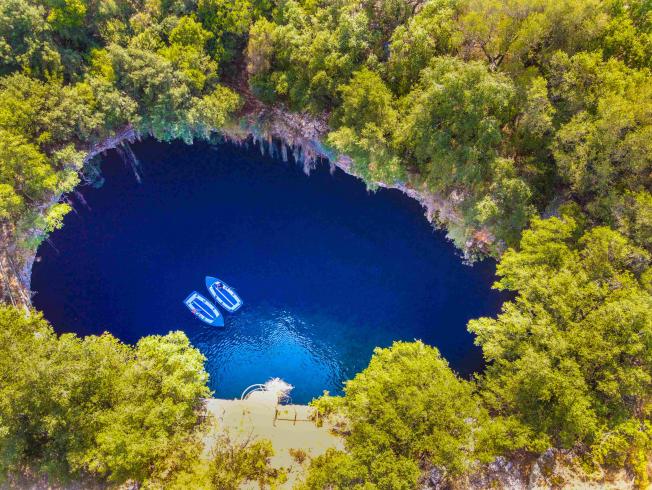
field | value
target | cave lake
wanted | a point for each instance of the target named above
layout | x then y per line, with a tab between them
327	269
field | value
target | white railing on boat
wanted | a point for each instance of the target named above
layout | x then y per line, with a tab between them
250	389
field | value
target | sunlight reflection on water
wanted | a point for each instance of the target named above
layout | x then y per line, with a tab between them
260	340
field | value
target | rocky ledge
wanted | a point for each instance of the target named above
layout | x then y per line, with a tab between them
279	133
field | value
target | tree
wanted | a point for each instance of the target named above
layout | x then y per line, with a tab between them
24	172
307	58
452	122
571	355
67	18
71	406
114	107
506	207
339	470
407	409
609	151
578	83
158	398
212	111
25	41
186	52
365	122
627	41
229	22
386	15
520	32
431	32
536	122
634	218
49	114
163	94
24	341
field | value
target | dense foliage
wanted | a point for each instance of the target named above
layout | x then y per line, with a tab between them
500	106
72	406
571	356
506	110
94	408
406	410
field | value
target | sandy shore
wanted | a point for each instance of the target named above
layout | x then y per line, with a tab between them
286	426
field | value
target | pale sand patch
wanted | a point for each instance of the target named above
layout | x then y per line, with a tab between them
254	418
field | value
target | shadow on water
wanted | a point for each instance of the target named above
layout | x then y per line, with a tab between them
327	270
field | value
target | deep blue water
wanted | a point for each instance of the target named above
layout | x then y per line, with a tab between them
327	270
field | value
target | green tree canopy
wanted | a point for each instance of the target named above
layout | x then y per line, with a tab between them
25	41
453	121
571	355
71	406
406	410
365	123
431	32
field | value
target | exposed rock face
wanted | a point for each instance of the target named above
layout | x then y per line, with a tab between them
16	263
126	134
554	469
15	270
302	135
279	133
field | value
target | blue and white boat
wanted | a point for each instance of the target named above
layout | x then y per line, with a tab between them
204	309
224	294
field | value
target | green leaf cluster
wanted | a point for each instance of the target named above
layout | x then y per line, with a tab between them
571	356
407	412
73	407
559	89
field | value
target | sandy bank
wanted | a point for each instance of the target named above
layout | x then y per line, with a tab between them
288	427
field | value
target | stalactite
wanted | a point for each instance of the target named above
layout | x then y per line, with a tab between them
270	145
81	199
129	157
295	153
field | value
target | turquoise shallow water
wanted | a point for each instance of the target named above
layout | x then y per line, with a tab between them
327	270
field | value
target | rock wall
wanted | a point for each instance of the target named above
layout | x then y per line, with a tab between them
301	135
554	469
280	133
16	263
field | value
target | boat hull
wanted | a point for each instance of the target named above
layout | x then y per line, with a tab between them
225	296
203	309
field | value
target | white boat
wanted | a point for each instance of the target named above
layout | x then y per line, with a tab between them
203	309
224	294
